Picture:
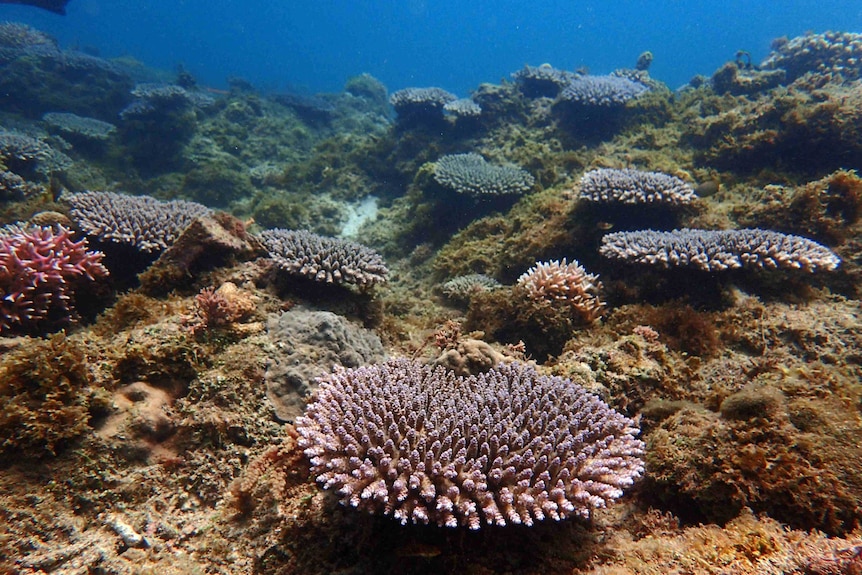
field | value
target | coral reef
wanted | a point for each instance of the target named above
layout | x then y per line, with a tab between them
323	259
542	81
470	174
146	441
463	108
427	447
628	186
74	127
29	156
40	270
715	250
148	224
38	77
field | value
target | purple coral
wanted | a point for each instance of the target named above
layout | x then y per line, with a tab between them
37	269
628	186
323	259
715	250
508	446
148	224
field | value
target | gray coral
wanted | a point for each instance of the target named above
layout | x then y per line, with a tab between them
79	127
144	222
420	100
715	250
508	446
307	345
542	81
628	186
829	53
471	174
324	259
463	108
462	288
605	91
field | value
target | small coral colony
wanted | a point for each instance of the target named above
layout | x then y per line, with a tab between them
509	309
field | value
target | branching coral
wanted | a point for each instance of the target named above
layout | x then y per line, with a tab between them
324	259
715	250
506	447
148	224
38	266
568	283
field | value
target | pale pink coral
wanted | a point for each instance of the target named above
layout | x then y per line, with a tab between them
560	281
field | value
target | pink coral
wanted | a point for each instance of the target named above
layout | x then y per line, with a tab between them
37	265
564	282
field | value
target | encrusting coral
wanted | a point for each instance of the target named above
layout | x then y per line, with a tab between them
505	447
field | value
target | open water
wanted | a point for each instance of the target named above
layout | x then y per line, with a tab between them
317	45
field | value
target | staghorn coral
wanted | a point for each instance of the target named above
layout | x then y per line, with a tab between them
505	447
716	250
324	259
470	174
629	186
38	266
569	283
148	224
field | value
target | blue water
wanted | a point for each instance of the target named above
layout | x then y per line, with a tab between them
317	45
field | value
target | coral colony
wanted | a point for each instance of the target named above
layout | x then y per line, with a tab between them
328	260
37	269
711	250
506	447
